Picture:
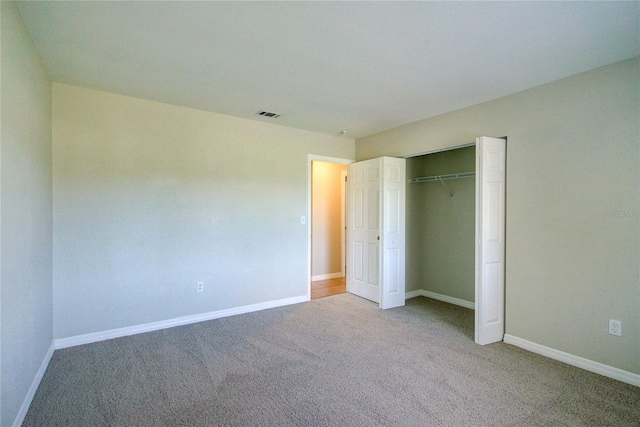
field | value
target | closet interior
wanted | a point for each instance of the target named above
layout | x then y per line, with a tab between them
440	223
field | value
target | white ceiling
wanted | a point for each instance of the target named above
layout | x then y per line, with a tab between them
327	66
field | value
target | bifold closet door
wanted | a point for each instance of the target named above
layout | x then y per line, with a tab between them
376	230
490	239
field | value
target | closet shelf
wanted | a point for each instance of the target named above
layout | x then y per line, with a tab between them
441	178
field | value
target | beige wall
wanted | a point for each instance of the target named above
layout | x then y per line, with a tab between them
326	211
440	228
573	234
26	320
151	198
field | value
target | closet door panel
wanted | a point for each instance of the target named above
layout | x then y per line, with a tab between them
490	298
393	234
376	264
490	239
392	270
392	206
373	264
373	209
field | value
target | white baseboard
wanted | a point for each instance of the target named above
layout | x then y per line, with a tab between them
170	323
580	362
413	294
440	297
327	276
26	403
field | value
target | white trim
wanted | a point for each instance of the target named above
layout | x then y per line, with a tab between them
343	221
440	297
413	294
26	403
314	158
327	276
440	150
580	362
170	323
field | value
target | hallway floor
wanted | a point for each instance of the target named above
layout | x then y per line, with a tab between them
324	288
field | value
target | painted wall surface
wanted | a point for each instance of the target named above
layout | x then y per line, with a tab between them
573	197
151	198
26	319
326	209
440	228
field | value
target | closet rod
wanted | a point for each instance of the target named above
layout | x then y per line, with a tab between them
443	177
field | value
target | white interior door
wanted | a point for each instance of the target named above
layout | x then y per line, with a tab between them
363	252
490	235
376	228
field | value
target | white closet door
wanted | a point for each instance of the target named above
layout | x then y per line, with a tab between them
393	233
375	252
490	220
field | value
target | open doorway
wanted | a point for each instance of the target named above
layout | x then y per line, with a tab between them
441	203
327	227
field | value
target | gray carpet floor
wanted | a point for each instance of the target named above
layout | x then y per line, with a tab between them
335	361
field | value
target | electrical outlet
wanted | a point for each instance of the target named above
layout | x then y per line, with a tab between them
615	327
200	287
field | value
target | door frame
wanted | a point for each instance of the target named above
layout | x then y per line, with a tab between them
343	221
310	159
478	228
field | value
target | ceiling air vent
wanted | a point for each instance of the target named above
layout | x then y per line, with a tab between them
268	114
